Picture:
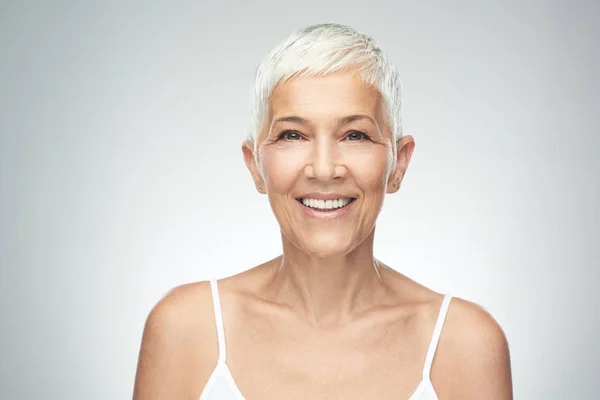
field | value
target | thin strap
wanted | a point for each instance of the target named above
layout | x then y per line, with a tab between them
219	321
436	336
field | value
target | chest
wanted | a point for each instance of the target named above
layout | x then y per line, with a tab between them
378	359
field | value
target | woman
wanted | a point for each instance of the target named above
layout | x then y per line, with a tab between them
326	319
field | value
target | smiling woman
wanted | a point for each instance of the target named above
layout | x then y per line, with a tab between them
326	319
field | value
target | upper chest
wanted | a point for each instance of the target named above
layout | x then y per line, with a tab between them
379	356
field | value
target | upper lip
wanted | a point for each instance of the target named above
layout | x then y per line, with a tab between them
325	196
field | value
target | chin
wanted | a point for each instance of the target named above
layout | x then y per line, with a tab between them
327	246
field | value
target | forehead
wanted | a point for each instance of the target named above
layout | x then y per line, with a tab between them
329	96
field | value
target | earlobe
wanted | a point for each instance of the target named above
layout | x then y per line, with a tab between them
394	184
405	147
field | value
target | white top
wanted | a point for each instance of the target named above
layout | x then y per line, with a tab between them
222	386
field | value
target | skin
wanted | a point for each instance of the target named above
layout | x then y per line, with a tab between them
325	320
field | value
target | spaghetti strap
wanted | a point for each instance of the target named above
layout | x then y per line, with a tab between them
436	336
219	321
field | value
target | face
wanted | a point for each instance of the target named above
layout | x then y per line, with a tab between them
326	158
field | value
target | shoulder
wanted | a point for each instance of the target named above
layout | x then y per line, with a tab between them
181	311
178	349
473	346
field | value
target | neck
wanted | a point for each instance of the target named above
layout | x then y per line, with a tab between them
328	290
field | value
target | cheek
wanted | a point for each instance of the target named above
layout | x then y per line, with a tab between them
281	168
371	167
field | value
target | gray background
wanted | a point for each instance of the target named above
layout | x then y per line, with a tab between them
121	173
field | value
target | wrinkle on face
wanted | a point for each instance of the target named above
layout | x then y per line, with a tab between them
322	110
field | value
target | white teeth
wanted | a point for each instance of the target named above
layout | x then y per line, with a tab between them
326	204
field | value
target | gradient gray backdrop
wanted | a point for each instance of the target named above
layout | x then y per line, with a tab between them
121	174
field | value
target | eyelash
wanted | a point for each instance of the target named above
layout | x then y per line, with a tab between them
363	135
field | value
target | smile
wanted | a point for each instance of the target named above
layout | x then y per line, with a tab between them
326	205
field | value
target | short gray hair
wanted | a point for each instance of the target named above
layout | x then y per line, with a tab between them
321	49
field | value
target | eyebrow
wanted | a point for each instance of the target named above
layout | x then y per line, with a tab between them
338	121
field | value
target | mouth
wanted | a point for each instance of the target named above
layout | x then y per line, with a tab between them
325	205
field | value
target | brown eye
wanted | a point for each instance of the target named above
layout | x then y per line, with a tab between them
356	136
290	135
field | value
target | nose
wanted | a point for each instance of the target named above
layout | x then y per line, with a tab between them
325	160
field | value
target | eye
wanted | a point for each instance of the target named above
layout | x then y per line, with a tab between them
356	136
290	135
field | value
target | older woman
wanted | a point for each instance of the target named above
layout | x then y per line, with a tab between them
326	319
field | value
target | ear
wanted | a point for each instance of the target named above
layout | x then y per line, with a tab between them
250	160
404	149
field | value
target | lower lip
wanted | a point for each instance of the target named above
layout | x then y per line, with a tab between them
326	215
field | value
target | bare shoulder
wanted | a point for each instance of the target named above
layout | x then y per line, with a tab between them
473	360
179	345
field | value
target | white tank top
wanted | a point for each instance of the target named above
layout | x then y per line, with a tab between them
222	386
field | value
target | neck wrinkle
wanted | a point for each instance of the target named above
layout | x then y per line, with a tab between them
331	291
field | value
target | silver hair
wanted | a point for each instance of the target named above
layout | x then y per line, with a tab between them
321	49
